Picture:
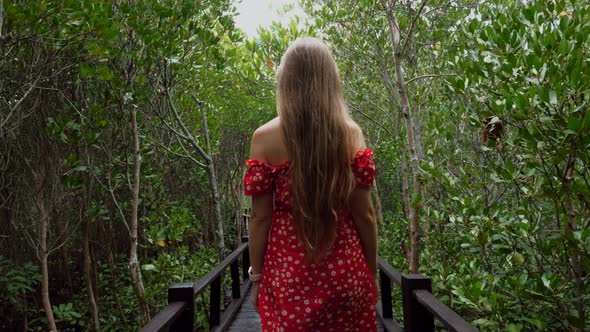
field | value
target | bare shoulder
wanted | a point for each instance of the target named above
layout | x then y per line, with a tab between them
264	141
268	128
357	138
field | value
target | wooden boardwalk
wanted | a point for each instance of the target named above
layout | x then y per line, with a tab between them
247	318
420	306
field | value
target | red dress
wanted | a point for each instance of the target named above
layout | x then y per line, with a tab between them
335	295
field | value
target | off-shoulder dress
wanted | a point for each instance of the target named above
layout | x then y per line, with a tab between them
337	294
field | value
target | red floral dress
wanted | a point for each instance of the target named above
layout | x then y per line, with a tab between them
335	295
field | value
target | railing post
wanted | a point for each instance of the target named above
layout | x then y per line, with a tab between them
386	303
246	219
183	293
215	302
245	259
416	317
235	279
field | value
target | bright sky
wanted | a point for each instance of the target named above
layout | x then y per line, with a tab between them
253	13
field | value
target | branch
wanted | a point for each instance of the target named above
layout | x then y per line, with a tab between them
187	135
186	156
356	109
121	214
19	102
413	25
427	76
205	127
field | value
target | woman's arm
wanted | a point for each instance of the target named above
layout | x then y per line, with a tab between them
361	207
363	215
259	226
261	212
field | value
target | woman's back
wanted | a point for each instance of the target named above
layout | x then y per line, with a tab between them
312	227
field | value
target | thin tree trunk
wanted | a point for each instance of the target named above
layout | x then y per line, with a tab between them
414	208
415	204
112	269
1	17
213	183
65	254
88	275
40	179
88	278
573	225
404	182
237	198
25	319
133	260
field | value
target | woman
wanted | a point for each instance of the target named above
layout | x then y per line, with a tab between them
313	236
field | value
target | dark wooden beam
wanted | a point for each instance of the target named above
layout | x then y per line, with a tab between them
416	317
202	283
164	319
448	317
392	273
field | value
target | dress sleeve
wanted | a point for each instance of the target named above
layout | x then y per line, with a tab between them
258	178
363	168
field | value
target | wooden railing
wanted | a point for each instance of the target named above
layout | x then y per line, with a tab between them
420	307
180	312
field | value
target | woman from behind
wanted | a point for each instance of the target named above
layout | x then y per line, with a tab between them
313	236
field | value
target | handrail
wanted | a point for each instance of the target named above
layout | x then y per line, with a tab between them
205	281
180	312
448	317
165	318
392	273
420	306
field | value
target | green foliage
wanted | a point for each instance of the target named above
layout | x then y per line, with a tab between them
505	225
65	313
16	282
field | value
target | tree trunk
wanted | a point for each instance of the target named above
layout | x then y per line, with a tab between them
88	259
213	183
65	254
1	17
237	200
415	204
88	278
573	225
133	260
25	319
404	182
40	179
112	269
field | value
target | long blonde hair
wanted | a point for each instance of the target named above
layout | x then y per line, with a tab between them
314	121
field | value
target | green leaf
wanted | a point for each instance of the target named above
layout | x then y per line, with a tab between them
529	15
575	74
86	70
553	97
521	101
148	267
574	123
104	73
513	328
518	258
564	46
543	93
546	281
